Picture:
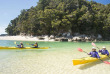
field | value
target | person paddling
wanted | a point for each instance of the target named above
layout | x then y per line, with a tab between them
35	45
21	45
104	51
94	53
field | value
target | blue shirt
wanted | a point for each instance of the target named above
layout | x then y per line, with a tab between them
35	45
20	46
94	54
104	52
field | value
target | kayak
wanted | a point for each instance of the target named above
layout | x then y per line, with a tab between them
87	60
23	48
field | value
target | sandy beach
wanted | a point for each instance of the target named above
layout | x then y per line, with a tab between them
24	38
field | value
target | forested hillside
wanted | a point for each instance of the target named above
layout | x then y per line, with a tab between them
53	17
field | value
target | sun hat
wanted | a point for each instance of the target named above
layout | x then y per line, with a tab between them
103	47
93	48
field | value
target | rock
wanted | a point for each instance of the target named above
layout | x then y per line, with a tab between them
99	36
51	37
76	34
68	34
57	39
69	40
41	38
64	39
77	38
87	38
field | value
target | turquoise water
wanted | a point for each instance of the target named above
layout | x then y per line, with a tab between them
55	60
54	46
57	45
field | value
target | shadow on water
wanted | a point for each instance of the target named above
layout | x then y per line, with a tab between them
86	66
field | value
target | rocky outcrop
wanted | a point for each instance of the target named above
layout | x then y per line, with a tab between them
68	37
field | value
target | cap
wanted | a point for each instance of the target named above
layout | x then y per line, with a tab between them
103	47
93	48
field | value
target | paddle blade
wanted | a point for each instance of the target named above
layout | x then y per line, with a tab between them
79	49
14	42
106	62
93	44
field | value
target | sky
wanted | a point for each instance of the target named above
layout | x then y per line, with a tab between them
102	1
10	9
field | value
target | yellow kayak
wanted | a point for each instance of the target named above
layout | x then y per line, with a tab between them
23	48
87	60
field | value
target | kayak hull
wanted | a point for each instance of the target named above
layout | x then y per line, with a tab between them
23	48
87	60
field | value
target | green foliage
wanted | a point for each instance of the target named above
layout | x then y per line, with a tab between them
59	16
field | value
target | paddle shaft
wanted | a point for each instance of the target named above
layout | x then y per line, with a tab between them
27	43
85	52
108	56
101	60
98	47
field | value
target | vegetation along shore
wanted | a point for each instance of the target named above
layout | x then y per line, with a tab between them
86	20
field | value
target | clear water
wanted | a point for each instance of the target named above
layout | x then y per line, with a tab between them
55	60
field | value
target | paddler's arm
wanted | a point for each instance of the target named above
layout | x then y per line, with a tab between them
89	53
18	45
107	52
97	55
100	51
34	44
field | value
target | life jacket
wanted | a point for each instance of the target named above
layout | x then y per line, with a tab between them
94	54
104	52
21	45
35	45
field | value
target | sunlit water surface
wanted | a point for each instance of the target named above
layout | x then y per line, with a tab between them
55	60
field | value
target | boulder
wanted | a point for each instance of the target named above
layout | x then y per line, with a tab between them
77	38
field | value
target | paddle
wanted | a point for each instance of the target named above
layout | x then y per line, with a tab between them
106	62
27	43
96	46
15	43
79	49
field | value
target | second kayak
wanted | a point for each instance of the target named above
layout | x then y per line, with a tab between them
87	60
23	48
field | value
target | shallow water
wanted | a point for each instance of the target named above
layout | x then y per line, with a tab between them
55	60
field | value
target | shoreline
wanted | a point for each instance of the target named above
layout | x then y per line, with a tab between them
48	39
23	38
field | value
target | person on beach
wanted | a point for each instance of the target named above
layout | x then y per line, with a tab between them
35	45
94	53
21	45
104	51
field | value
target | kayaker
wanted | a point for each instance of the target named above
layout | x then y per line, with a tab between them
21	45
35	45
94	53
104	51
